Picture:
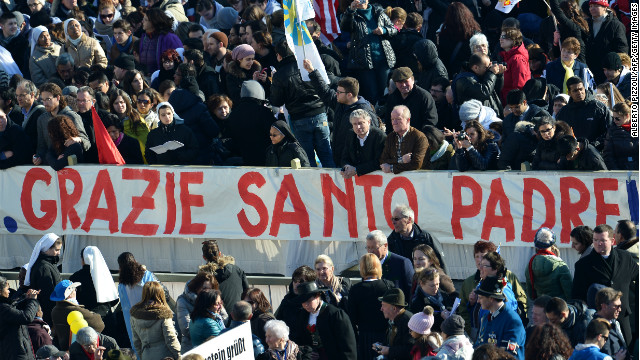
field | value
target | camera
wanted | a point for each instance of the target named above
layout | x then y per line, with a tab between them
462	136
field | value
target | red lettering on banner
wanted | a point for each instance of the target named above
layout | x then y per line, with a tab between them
251	199
169	191
603	209
367	182
491	219
48	207
346	199
461	211
531	185
104	186
69	200
299	216
140	203
570	211
188	201
396	183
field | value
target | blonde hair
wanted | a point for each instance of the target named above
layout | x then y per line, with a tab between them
153	293
370	266
322	258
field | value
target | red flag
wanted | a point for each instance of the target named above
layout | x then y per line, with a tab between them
107	151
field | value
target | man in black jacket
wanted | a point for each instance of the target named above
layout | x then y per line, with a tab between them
12	39
26	93
307	113
520	111
14	144
205	75
395	268
399	340
606	34
617	74
571	318
578	154
418	100
483	82
364	146
609	306
519	147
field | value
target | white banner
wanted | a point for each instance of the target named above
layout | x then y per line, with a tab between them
307	204
236	344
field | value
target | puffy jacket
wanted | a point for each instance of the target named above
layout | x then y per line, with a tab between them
360	54
232	279
154	336
42	63
14	337
546	157
589	159
182	156
426	53
518	72
589	119
44	277
87	53
611	37
456	347
620	150
551	276
203	328
281	154
287	88
467	86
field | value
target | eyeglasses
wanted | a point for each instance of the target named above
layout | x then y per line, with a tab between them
369	248
168	62
616	307
33	5
486	265
340	92
106	16
546	130
605	338
145	102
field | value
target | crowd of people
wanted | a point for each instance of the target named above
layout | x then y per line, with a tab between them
404	306
409	85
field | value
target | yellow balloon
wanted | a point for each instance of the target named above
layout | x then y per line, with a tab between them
77	325
73	316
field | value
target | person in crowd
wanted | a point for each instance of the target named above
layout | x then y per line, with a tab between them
623	267
14	40
548	342
370	53
322	326
517	58
480	248
39	331
582	240
85	50
154	335
447	117
157	38
476	149
107	16
43	56
262	44
85	100
475	110
134	82
478	43
520	110
62	131
50	352
124	39
429	67
426	341
206	76
428	293
606	34
617	74
626	238
186	301
609	306
284	147
537	61
306	110
97	292
571	24
596	336
90	345
559	101
500	325
216	49
491	352
395	268
261	311
578	154
520	147
453	41
398	342
26	94
14	143
9	105
538	315
456	345
207	10
170	59
572	318
166	88
423	257
550	131
128	146
241	314
132	123
417	99
402	154
66	300
364	145
440	151
168	130
242	68
481	80
547	274
131	278
232	279
402	43
42	274
15	341
206	319
620	148
145	104
121	66
279	345
368	322
557	72
289	308
608	94
336	287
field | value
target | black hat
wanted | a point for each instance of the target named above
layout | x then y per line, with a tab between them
394	297
48	351
492	287
534	89
612	61
453	325
125	61
306	291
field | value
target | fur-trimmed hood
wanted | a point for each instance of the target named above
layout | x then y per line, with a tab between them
523	126
219	269
235	70
146	312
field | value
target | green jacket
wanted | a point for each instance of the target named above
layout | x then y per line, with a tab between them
551	277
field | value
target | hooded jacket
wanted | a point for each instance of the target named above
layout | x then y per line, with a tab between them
620	149
174	7
236	76
184	155
106	29
589	159
551	276
519	147
42	63
231	278
432	67
281	154
360	54
575	326
14	139
403	43
518	71
154	336
589	119
14	336
510	121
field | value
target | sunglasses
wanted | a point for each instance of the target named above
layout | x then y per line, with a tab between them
106	16
145	102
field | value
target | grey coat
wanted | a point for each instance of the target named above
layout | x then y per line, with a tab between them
360	56
42	63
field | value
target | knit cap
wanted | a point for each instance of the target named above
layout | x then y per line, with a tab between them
612	61
470	110
422	321
545	238
242	51
453	325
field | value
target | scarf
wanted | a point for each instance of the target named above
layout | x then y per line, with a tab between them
119	139
106	290
568	72
75	42
5	41
538	252
290	352
43	244
626	127
438	154
125	48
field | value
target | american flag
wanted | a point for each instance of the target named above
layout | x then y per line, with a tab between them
327	18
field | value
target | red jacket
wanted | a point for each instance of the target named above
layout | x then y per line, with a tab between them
518	72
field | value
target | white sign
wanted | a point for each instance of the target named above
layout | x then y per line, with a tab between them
235	344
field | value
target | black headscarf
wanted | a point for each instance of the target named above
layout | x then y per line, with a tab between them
286	131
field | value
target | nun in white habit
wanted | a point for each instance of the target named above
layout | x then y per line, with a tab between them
42	273
44	53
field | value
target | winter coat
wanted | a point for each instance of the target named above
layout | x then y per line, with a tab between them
568	28
164	42
473	159
174	7
14	337
420	103
404	247
360	54
440	302
231	278
467	86
39	333
431	66
30	125
414	142
131	295
76	351
201	329
185	303
236	76
19	49
44	277
456	347
551	276
129	148
287	88
518	73
42	63
400	346
154	336
589	159
398	270
289	308
547	156
248	128
87	53
366	158
575	326
519	147
611	37
510	121
61	327
14	139
403	43
615	342
505	331
44	141
184	155
438	159
620	150
554	73
114	52
453	53
56	163
281	154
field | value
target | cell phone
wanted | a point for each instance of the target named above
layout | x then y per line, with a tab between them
263	70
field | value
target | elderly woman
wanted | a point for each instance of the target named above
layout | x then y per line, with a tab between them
285	147
44	52
185	303
85	50
547	274
337	287
15	341
364	307
89	345
478	43
42	273
280	347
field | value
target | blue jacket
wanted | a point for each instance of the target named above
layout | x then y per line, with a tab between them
505	331
202	328
511	301
399	270
554	72
588	352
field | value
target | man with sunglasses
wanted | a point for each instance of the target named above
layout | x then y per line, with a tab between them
609	306
597	334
